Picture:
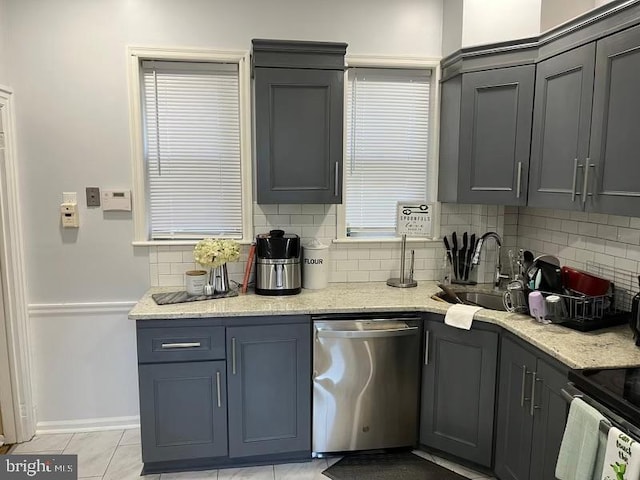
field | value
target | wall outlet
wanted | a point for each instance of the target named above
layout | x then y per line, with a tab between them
93	197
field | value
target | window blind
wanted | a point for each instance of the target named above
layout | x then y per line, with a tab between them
192	149
387	132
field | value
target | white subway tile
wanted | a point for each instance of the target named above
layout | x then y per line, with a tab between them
289	209
368	264
331	209
604	259
584	256
379	276
569	226
633	252
153	274
153	255
568	253
615	249
608	232
390	264
302	219
589	229
618	221
327	220
356	276
634	222
554	224
330	232
338	276
560	238
170	280
465	209
626	264
187	256
180	268
380	254
598	218
312	209
347	265
594	244
580	216
278	221
562	214
449	208
259	219
551	248
358	254
266	209
169	256
629	235
313	231
164	268
338	254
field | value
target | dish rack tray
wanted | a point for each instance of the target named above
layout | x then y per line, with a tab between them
588	313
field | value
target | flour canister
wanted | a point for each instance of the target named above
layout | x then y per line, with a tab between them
315	265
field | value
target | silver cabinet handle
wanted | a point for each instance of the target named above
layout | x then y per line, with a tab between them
336	179
218	388
519	180
233	355
169	346
523	387
585	185
393	332
426	347
533	406
576	166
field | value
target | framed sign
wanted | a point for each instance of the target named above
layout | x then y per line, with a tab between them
414	219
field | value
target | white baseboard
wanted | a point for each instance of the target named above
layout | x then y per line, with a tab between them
88	425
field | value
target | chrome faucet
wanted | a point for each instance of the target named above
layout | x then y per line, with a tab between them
498	276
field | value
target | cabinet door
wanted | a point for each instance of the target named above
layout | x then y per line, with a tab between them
614	167
561	129
515	421
458	391
495	129
299	116
269	382
550	418
183	410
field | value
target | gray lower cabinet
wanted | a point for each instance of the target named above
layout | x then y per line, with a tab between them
614	168
458	391
183	410
269	383
561	129
486	136
531	414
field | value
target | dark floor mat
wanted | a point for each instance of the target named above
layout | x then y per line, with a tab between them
388	466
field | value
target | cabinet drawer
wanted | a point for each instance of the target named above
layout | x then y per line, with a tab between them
169	344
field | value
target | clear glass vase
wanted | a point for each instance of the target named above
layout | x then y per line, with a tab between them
219	279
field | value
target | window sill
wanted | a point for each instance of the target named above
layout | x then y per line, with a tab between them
387	240
169	243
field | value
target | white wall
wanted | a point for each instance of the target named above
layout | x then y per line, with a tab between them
554	12
68	68
452	14
490	21
4	77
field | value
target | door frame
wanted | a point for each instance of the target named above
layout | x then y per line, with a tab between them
16	397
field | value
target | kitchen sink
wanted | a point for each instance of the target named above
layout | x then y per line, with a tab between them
489	300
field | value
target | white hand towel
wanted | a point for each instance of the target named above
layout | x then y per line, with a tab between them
579	448
622	459
461	316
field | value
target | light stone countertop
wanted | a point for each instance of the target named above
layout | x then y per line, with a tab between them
606	348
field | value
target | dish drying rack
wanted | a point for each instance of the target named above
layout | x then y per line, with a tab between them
586	313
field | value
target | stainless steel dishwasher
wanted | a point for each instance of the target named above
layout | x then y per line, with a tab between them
365	383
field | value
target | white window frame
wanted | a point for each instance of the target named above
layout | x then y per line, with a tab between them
139	195
432	64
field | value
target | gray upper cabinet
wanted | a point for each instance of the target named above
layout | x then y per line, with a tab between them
561	129
299	96
458	391
614	168
531	414
269	384
485	136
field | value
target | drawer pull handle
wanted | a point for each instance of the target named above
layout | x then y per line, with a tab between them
170	346
218	388
233	355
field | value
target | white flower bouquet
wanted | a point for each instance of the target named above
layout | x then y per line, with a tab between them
212	253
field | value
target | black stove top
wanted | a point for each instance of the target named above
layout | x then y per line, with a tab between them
618	389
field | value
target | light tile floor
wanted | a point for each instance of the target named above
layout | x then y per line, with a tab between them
115	455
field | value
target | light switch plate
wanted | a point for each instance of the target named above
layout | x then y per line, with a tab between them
93	197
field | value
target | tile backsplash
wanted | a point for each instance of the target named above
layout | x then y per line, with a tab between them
349	262
575	237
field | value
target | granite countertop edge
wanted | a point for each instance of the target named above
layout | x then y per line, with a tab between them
607	348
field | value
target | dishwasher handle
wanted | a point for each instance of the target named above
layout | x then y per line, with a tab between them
394	332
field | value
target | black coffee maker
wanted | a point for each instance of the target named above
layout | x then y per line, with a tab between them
635	317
